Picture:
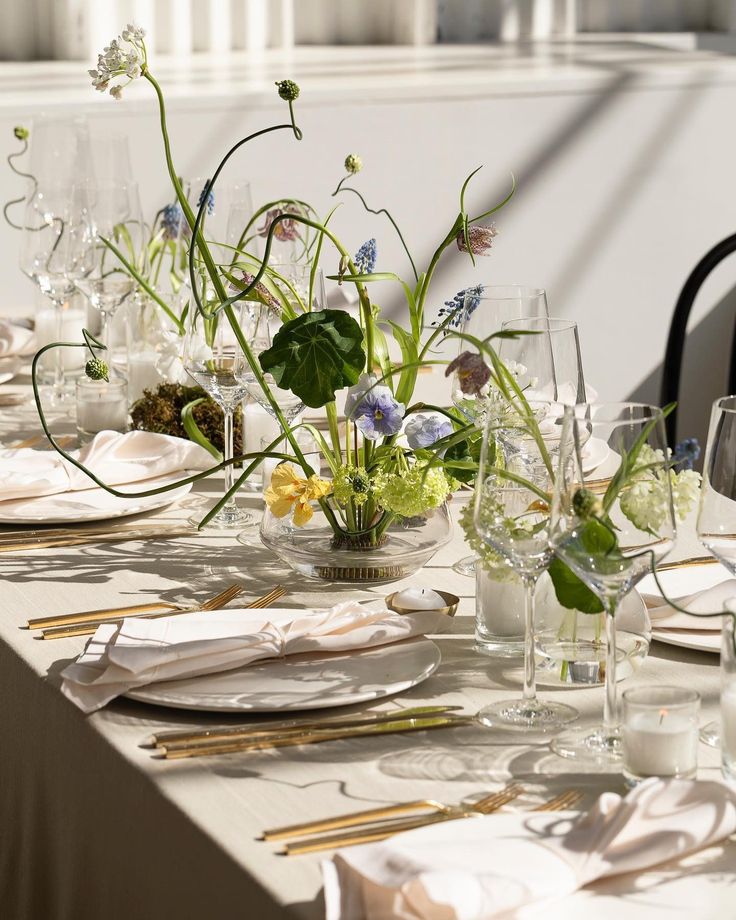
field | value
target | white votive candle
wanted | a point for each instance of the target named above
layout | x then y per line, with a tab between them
142	374
62	324
660	732
419	599
728	730
101	406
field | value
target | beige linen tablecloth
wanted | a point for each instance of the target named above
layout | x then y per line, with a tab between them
92	827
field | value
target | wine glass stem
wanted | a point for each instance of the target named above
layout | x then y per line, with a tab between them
229	450
610	709
530	683
104	332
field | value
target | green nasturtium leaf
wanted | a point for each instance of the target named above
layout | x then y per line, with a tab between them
596	540
316	354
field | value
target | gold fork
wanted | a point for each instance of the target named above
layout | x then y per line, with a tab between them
89	628
386	829
560	802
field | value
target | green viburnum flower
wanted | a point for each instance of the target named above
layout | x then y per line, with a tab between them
96	369
413	492
21	133
353	163
351	484
288	90
644	500
493	562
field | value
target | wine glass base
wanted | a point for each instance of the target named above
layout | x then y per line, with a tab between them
710	734
593	746
228	519
521	715
251	537
466	566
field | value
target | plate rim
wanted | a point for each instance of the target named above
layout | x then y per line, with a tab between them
166	499
138	693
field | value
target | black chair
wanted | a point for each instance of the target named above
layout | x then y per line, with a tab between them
672	368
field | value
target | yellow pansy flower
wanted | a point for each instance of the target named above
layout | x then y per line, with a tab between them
288	490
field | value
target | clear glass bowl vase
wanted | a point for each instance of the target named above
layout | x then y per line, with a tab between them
313	551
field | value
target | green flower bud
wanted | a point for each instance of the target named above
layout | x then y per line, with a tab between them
288	90
585	503
96	370
353	163
21	133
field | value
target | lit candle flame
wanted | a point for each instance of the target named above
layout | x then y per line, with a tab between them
662	714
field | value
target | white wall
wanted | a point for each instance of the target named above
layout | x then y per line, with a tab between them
625	167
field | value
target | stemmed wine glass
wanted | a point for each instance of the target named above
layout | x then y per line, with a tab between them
214	358
610	539
485	308
263	323
53	253
114	214
511	515
716	525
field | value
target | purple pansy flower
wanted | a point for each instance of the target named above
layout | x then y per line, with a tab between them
378	414
424	429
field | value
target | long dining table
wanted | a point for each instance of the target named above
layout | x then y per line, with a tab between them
94	825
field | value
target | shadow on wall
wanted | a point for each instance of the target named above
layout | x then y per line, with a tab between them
704	371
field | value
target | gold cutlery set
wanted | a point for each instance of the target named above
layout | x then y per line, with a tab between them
86	622
15	541
376	824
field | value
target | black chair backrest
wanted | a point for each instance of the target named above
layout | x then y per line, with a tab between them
672	368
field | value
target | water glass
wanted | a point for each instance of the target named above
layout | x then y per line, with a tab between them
660	733
728	699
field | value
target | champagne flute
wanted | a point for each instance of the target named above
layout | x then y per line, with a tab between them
114	215
214	359
610	541
716	524
511	515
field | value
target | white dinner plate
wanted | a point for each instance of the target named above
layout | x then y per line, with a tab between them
309	681
680	582
594	453
89	504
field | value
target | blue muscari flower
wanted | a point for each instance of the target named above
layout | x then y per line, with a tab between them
460	308
378	414
424	429
686	453
172	219
365	258
210	201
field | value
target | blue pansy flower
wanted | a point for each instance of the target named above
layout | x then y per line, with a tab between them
424	429
378	414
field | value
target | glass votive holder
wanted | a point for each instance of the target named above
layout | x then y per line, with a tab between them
308	446
660	733
101	406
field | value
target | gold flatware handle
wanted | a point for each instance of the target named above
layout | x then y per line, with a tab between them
389	728
682	563
562	802
112	537
98	616
175	739
389	829
368	816
89	629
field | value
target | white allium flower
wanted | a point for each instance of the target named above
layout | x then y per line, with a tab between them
117	61
170	363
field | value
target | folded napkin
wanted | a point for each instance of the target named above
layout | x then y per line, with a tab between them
711	600
138	651
479	868
114	458
15	340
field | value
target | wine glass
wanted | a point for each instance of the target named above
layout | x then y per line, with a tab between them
114	214
716	525
263	324
60	152
214	358
610	539
511	515
485	308
53	254
546	364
